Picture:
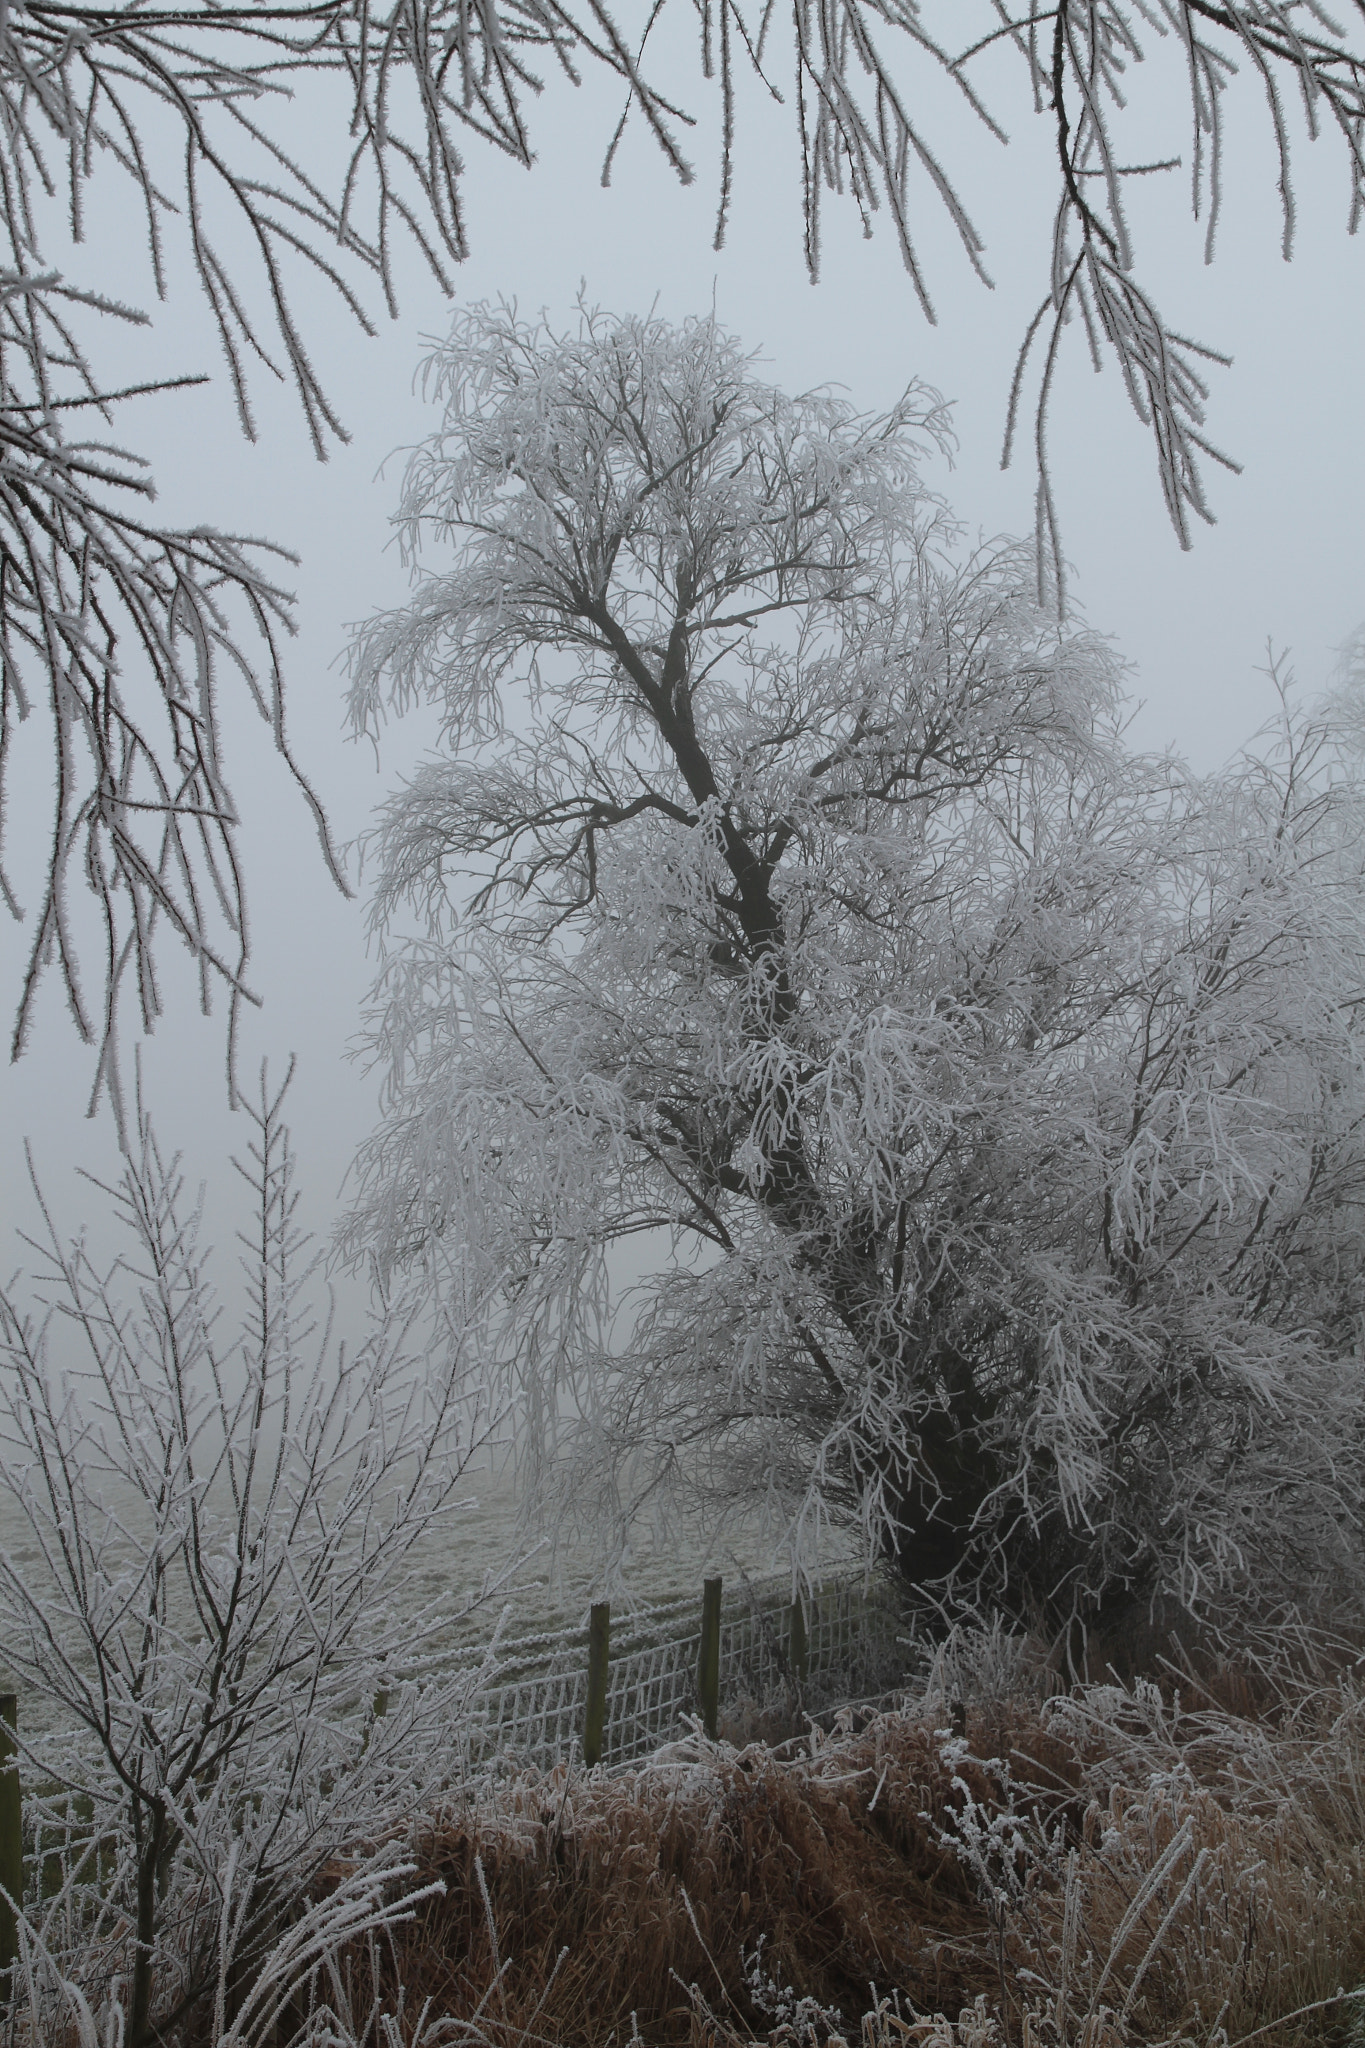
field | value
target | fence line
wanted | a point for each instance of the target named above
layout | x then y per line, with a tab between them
841	1641
845	1640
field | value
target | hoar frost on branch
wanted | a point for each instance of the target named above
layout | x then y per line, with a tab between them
835	1071
212	1590
123	630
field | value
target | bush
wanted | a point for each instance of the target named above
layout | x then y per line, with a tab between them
210	1603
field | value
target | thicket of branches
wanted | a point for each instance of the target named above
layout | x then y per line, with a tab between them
836	1071
206	1593
124	632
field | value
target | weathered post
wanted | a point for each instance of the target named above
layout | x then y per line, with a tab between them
11	1837
799	1651
595	1713
708	1663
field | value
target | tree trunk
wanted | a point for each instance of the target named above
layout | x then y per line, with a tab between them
140	2032
930	1542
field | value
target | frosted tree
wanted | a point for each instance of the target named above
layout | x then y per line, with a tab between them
207	1585
125	632
830	1070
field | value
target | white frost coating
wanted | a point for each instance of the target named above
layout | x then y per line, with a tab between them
214	1593
981	1100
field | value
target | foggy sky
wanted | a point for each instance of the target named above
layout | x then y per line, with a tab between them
1286	561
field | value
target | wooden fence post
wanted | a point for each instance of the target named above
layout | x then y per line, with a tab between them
595	1713
799	1652
708	1663
11	1833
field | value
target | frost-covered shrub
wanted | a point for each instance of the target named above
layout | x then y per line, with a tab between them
208	1600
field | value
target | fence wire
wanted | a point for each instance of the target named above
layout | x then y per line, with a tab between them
77	1874
854	1647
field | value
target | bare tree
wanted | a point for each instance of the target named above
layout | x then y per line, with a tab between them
208	1588
190	105
865	109
836	1073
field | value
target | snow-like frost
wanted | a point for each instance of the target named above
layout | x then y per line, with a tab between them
981	1099
213	1602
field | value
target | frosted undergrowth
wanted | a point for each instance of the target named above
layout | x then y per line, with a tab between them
214	1599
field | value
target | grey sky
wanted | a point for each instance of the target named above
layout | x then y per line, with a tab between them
1285	562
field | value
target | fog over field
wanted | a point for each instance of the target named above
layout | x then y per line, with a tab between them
1283	564
897	1104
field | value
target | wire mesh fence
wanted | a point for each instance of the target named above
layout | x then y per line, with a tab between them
846	1641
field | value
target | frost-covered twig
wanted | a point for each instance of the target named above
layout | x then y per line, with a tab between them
210	1594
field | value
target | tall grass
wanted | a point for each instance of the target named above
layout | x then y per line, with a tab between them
1176	1860
1127	1864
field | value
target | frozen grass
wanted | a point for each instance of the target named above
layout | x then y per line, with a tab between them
1145	1864
981	1867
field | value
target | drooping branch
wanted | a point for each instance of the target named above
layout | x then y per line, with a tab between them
85	85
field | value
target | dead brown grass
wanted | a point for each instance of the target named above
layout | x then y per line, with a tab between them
1261	1912
1109	1869
653	1881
